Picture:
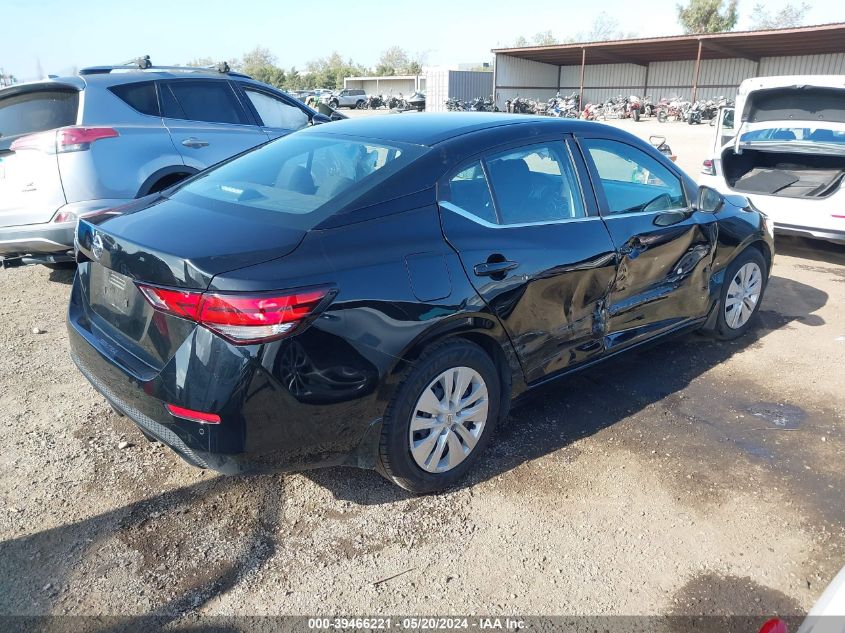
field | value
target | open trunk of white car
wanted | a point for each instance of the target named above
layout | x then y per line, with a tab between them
792	175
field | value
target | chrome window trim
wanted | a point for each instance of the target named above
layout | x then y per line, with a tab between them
633	214
469	216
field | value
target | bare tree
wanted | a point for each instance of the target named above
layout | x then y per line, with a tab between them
545	38
789	16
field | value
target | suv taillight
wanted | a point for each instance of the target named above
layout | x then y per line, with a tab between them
708	168
242	318
66	139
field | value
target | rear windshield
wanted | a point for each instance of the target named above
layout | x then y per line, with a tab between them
38	111
800	134
307	177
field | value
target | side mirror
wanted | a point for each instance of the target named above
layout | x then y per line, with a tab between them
709	200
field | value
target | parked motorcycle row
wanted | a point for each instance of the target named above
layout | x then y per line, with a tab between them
631	107
392	102
479	104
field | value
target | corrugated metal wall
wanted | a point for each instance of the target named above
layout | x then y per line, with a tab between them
806	65
460	84
382	85
520	77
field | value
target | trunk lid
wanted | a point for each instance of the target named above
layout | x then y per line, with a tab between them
162	242
30	183
773	102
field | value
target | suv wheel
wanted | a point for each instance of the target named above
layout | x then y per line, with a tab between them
360	104
441	418
334	103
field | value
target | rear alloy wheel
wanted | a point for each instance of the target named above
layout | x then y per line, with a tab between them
742	293
441	418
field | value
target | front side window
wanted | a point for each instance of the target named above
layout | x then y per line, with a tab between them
276	113
633	181
535	184
307	178
202	100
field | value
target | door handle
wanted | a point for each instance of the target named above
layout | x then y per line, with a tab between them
490	269
194	143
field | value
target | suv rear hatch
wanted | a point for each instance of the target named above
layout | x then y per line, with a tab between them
30	184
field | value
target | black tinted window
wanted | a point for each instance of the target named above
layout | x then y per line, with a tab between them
212	101
632	180
535	184
469	190
142	96
37	111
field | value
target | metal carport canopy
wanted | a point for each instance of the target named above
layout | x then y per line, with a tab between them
753	45
808	40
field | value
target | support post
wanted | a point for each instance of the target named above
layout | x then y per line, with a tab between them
697	73
645	84
581	88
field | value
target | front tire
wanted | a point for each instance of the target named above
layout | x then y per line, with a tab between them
742	294
441	418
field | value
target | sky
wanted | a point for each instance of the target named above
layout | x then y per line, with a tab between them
58	35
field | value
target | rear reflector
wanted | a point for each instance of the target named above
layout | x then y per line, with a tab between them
775	625
66	139
240	318
193	416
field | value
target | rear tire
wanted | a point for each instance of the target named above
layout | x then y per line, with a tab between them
636	114
741	295
445	451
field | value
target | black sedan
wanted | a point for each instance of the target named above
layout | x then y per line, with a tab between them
378	291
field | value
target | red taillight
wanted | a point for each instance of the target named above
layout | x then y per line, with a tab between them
67	139
75	139
775	625
708	167
193	416
240	318
836	215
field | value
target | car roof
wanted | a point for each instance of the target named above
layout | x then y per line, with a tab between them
432	128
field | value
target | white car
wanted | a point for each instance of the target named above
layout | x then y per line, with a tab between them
785	152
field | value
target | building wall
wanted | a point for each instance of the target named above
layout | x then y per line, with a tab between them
382	85
460	84
519	77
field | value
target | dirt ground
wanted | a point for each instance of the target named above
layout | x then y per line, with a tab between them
696	477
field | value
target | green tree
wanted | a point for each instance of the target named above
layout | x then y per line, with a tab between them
708	16
788	16
329	72
521	42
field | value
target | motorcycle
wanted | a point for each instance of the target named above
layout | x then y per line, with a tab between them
694	113
662	146
633	107
456	105
374	102
416	101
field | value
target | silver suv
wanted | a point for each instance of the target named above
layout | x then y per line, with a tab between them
76	145
348	98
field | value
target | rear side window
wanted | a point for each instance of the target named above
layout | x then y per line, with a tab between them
468	190
305	177
198	100
141	96
535	184
37	111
